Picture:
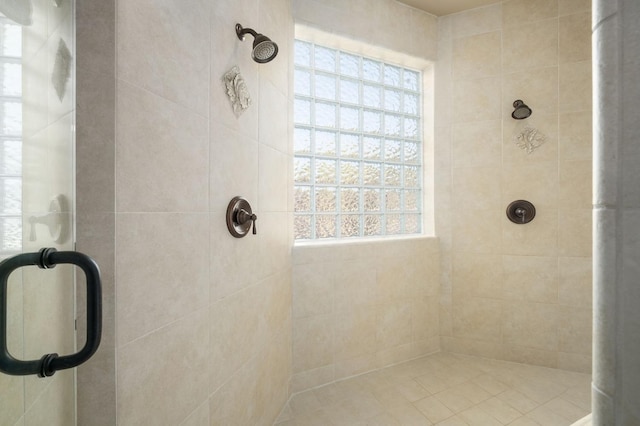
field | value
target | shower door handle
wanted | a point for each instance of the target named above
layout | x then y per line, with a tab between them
48	258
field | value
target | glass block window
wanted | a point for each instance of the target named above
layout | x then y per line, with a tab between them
10	137
357	146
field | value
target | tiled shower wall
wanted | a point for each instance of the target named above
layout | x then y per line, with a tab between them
515	292
365	305
198	324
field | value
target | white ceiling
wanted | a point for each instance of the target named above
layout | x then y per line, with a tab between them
445	7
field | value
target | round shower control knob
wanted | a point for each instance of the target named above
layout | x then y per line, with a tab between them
521	212
240	217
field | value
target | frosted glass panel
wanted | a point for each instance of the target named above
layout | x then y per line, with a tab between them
325	115
325	86
392	100
302	227
371	70
392	125
326	199
357	145
372	96
411	104
392	76
372	225
411	80
372	148
372	172
325	59
349	91
349	146
302	85
11	74
350	225
11	238
349	65
11	118
325	171
392	150
302	197
372	201
302	111
302	53
349	172
302	170
411	152
350	199
11	157
349	118
325	226
11	37
10	195
302	141
372	122
326	146
392	199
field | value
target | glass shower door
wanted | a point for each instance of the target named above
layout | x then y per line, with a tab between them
37	116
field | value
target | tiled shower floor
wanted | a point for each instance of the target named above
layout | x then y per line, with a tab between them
447	389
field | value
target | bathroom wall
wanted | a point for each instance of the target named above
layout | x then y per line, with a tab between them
203	319
616	49
358	306
515	292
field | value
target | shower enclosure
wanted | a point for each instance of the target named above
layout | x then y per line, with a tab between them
37	106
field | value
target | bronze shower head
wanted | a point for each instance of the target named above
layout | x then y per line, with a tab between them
264	50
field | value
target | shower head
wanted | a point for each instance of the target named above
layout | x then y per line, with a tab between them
521	110
264	50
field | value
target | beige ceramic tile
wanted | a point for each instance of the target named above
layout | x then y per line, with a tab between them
575	136
568	7
229	149
354	283
536	238
575	86
150	363
200	417
229	273
313	378
467	237
531	325
531	278
481	94
477	21
313	290
433	409
393	324
235	341
575	285
575	185
537	87
531	45
477	275
173	143
478	187
55	402
575	38
478	319
575	232
355	333
477	144
151	293
313	345
529	356
477	56
534	182
424	318
166	50
574	330
517	12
